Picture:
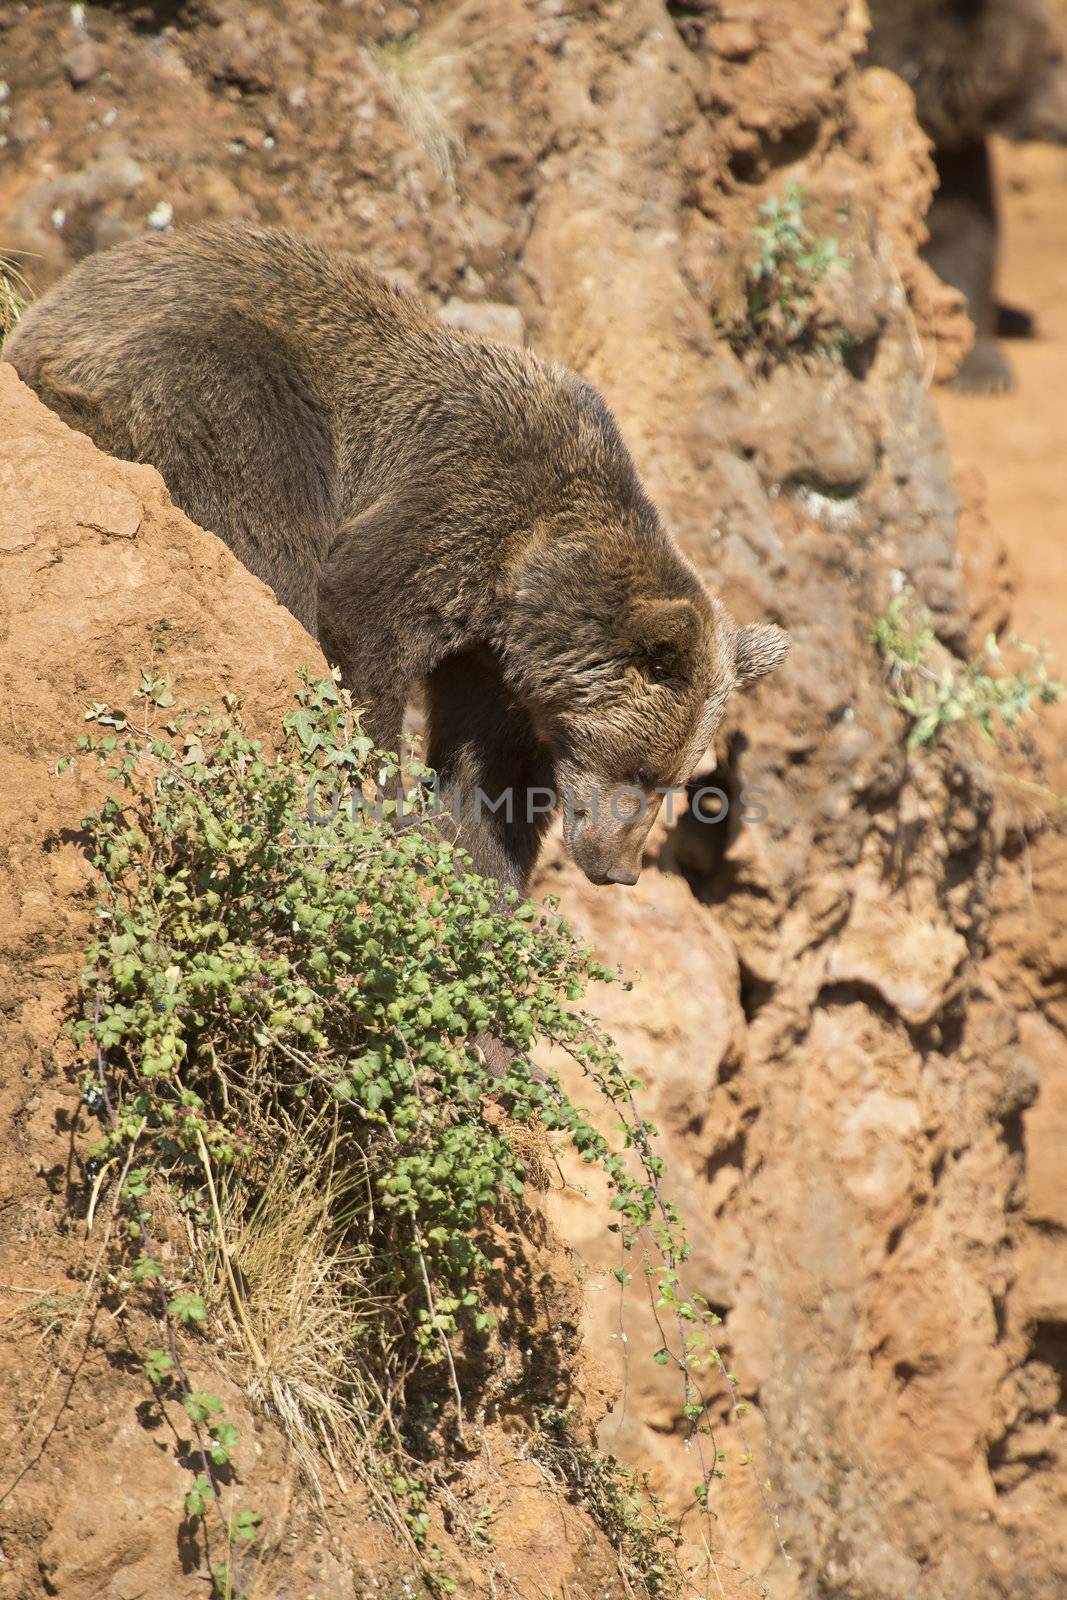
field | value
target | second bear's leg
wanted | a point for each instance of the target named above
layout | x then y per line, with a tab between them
495	774
962	250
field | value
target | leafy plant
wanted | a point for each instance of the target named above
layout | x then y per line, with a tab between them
790	265
983	692
290	990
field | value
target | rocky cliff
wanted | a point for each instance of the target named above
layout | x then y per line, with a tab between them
845	1010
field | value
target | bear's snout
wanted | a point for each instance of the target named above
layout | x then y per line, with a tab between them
624	875
608	856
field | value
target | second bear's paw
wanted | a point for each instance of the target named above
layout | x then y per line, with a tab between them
986	370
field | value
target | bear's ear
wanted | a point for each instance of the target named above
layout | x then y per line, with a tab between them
758	650
664	633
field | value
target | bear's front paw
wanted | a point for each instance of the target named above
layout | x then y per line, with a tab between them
986	370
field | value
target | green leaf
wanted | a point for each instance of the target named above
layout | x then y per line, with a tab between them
225	1437
187	1308
201	1406
199	1496
145	1270
158	1366
245	1525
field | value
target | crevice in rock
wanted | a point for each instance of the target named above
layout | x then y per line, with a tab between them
1000	1315
859	356
1049	1346
793	144
690	19
706	828
755	992
1009	1466
857	993
152	16
828	489
896	1234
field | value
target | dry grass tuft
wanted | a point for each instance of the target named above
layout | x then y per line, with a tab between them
14	298
419	83
304	1310
530	1143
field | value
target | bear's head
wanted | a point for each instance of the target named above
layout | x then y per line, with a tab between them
626	664
625	748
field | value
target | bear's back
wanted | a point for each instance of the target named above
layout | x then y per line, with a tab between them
210	282
971	66
281	391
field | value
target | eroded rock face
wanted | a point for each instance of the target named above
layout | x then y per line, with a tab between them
851	1163
839	1045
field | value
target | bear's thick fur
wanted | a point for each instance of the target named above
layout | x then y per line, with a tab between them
442	512
976	67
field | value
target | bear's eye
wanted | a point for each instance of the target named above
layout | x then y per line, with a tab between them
645	778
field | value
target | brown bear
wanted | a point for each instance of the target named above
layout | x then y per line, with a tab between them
440	511
976	67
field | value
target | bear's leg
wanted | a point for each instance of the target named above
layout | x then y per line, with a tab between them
499	782
496	776
360	626
962	250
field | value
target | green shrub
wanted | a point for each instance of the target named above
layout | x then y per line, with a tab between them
281	1018
982	692
245	943
790	266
